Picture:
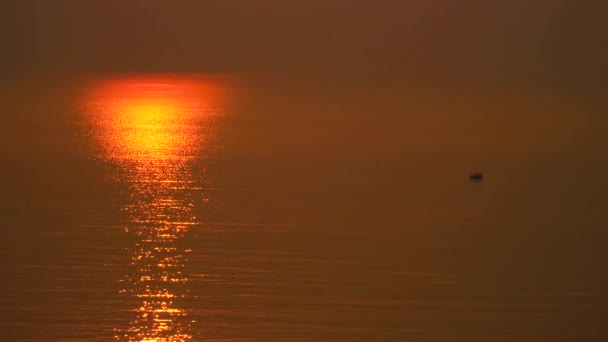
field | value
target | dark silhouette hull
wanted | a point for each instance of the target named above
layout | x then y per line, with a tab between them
476	176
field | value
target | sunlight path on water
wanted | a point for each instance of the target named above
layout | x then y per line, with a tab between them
152	129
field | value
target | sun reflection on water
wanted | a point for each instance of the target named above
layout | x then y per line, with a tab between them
153	128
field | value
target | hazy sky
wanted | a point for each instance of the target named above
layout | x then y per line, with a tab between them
560	43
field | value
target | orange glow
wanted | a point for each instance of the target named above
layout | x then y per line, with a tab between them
154	118
152	127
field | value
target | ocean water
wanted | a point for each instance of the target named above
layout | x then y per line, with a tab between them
159	207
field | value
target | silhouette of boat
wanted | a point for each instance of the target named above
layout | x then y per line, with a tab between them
476	176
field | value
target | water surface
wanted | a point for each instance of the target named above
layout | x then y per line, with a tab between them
223	208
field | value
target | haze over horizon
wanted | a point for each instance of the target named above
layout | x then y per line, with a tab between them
541	43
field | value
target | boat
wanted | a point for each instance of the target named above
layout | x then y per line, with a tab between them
476	176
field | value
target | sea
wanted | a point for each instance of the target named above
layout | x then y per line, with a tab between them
255	207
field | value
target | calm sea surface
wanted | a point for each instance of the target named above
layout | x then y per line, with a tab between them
233	208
